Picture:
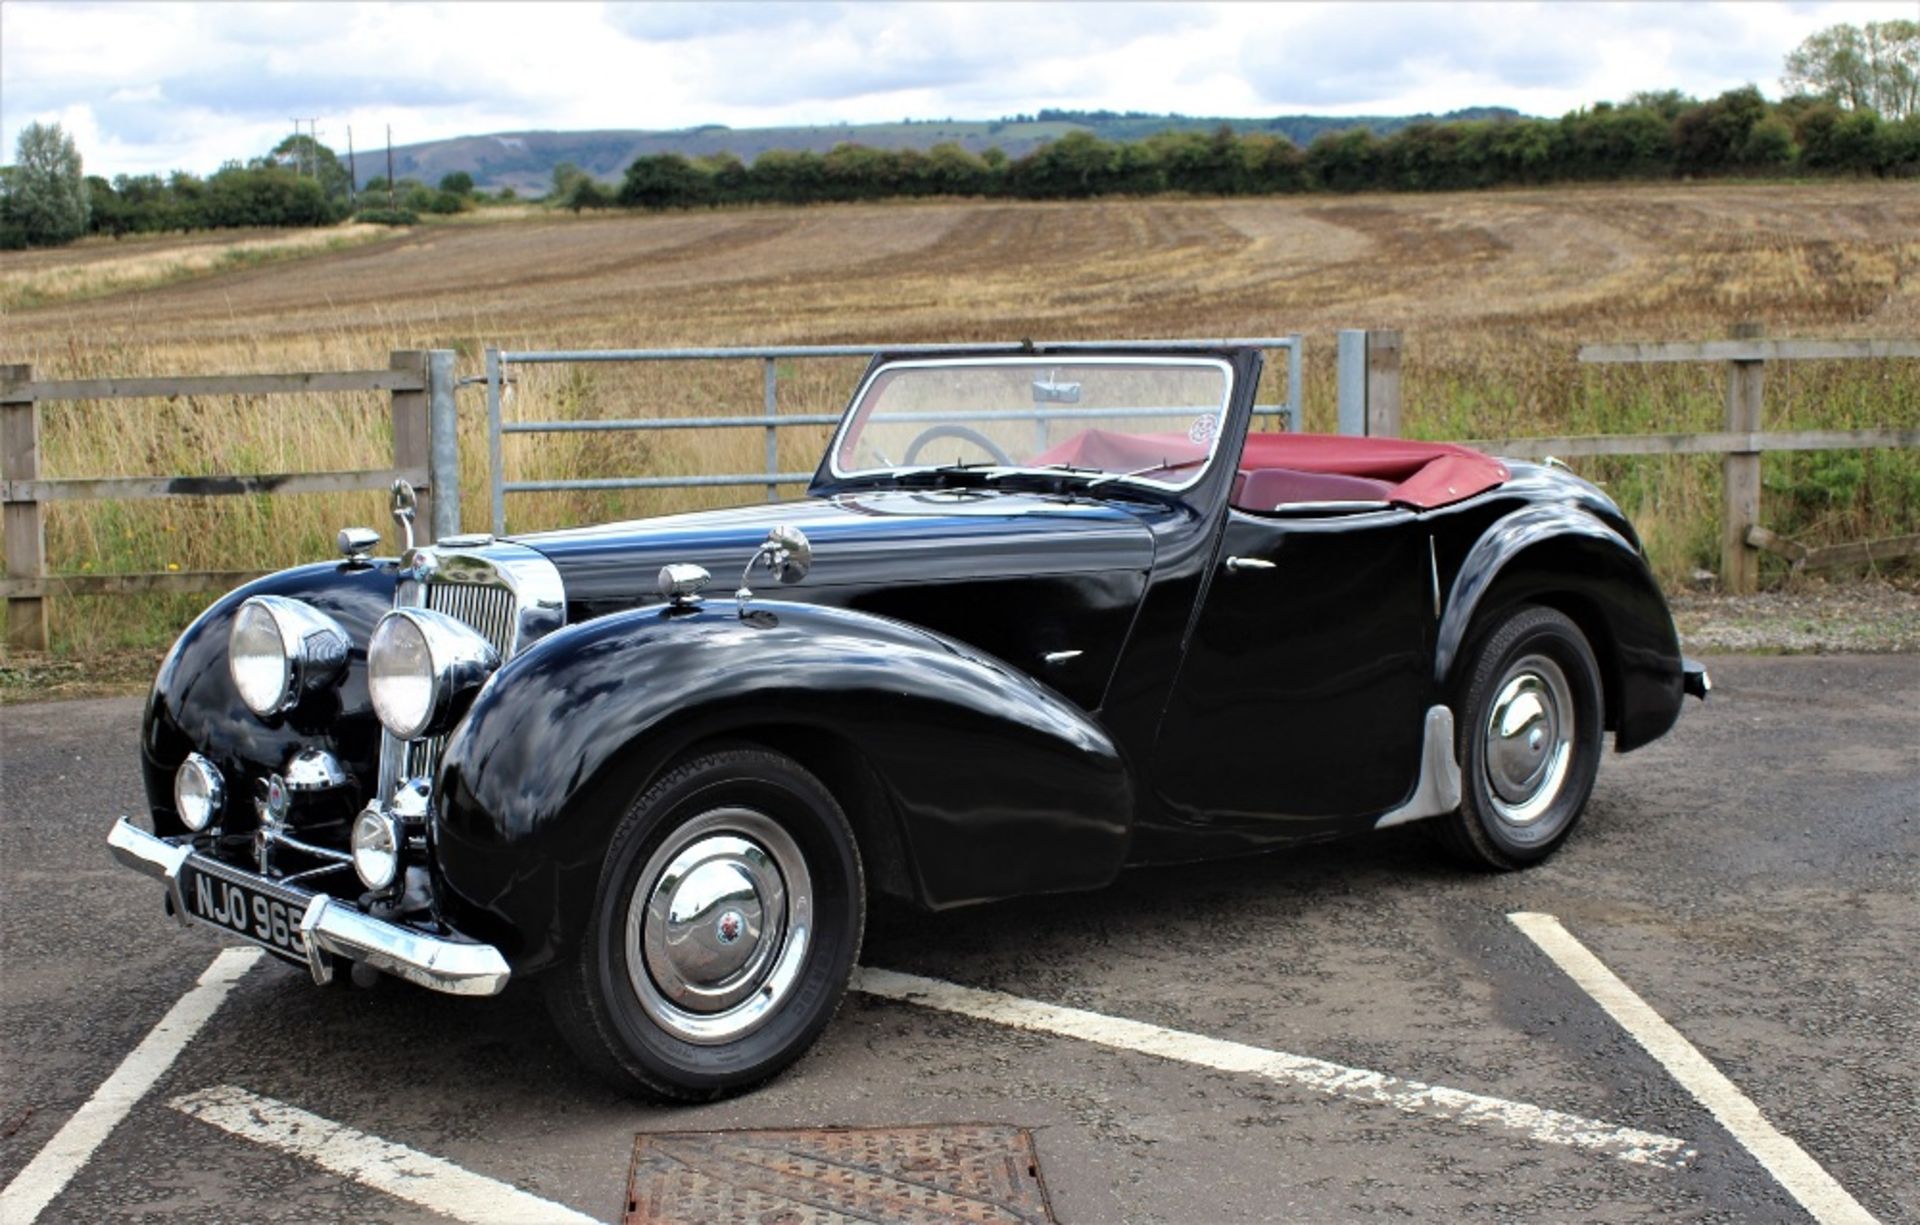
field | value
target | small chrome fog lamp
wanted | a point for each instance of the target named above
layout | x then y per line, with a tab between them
198	792
376	848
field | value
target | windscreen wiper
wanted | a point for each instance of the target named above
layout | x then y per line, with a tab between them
1063	469
1162	466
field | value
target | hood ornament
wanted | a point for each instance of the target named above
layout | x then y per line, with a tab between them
788	554
403	502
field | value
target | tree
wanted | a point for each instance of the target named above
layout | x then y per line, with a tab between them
458	183
1714	134
662	180
44	198
1875	67
305	156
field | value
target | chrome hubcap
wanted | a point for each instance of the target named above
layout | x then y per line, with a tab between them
1528	740
719	925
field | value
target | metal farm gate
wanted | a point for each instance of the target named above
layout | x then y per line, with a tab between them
770	419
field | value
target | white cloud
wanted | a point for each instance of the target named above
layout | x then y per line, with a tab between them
154	86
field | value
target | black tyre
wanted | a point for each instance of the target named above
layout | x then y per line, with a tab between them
724	930
1529	738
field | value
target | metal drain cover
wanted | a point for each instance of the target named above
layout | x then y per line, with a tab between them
823	1176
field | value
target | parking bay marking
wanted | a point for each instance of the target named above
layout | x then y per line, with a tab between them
428	1181
73	1145
1803	1177
1409	1096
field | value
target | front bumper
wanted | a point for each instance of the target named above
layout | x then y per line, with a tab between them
328	927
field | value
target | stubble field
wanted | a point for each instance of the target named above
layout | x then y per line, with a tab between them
1494	293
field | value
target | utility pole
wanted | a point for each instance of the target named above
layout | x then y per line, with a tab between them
299	159
390	202
313	146
353	174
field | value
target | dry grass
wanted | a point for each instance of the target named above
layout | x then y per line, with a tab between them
1494	292
103	266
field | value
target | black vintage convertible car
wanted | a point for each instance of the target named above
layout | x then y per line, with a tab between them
1043	614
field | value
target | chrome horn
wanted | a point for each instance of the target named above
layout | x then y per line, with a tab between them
788	554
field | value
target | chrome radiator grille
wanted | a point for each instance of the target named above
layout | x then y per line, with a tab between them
490	610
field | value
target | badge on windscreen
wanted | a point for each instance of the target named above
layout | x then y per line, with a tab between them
1201	432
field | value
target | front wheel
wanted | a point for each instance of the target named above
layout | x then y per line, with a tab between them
724	930
1530	735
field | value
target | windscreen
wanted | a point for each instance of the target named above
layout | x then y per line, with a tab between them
1151	420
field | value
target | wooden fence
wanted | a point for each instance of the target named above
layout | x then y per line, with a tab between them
419	382
1741	443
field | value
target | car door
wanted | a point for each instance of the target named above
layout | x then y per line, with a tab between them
1303	687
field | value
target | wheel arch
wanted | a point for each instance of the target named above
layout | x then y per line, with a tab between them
834	759
1565	558
964	779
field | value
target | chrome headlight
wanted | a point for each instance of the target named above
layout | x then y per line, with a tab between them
423	667
279	650
376	849
198	792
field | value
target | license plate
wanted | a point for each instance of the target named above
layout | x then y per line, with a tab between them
269	921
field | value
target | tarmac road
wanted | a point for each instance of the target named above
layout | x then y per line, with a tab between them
1754	877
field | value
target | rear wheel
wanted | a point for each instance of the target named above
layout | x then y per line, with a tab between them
1529	739
724	930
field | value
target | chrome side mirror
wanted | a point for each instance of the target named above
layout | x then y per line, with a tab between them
788	554
403	503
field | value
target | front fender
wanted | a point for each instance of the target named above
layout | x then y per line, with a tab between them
999	786
1563	555
194	707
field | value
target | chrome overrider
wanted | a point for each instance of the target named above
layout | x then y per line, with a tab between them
328	927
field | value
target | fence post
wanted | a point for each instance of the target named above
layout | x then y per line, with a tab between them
443	437
1296	411
26	530
1383	384
1740	471
1352	369
770	380
496	473
412	442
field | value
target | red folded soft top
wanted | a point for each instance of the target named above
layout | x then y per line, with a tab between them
1418	474
1422	474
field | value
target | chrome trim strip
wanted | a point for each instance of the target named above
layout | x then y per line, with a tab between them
1438	791
328	925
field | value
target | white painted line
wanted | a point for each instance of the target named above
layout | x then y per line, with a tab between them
381	1164
1789	1164
1410	1096
55	1165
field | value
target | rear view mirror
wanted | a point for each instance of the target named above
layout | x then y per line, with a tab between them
1045	391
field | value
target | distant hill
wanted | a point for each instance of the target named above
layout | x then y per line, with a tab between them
525	160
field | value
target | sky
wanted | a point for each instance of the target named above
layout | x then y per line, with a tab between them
147	87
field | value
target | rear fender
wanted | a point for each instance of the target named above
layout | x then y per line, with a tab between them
999	786
1565	557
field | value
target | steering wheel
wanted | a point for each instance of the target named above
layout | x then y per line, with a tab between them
936	432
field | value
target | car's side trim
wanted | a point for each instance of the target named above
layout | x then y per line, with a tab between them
1438	790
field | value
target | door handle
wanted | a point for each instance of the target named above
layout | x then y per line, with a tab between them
1248	563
